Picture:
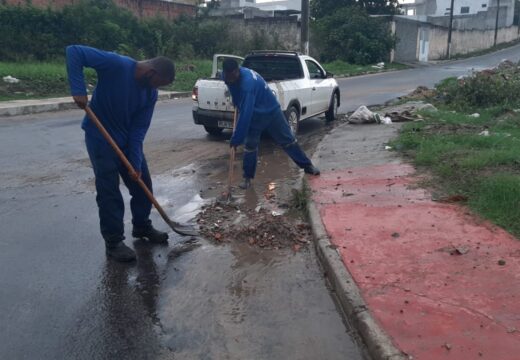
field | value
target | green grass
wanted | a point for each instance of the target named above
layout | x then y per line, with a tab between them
44	79
485	169
37	80
499	200
343	69
188	72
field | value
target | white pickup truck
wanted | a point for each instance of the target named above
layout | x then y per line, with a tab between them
301	85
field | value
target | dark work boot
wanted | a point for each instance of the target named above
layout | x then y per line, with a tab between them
152	235
312	170
245	184
120	252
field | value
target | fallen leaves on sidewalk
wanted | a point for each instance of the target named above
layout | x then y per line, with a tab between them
455	250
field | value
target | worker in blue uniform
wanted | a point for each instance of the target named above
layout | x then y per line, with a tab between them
259	110
124	100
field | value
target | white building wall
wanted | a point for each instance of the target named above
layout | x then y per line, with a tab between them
474	6
230	4
464	42
280	5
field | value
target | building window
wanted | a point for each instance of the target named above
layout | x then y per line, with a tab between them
484	5
464	10
410	12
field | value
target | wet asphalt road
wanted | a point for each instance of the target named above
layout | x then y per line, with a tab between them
60	297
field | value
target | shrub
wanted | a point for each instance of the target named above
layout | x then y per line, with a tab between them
351	35
30	33
499	87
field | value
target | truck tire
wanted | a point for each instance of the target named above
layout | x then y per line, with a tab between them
332	112
213	130
292	115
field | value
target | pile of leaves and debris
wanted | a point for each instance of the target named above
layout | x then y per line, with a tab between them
408	111
260	227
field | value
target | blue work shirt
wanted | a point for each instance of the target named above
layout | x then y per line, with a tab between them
123	106
251	95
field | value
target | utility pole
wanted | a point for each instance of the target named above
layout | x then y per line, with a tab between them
304	47
448	52
496	23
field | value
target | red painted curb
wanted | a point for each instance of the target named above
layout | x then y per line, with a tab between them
428	271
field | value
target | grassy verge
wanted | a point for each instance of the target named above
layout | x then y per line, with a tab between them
37	80
188	72
478	158
46	80
342	69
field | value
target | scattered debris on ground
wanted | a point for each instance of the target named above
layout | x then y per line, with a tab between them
397	113
407	111
262	227
422	92
10	80
362	116
183	247
455	250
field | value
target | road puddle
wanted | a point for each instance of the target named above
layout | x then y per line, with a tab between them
198	298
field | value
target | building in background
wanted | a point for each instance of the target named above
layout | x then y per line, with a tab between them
266	5
235	4
140	8
441	8
280	5
422	31
255	8
468	13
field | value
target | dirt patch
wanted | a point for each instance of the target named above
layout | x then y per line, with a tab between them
420	93
260	227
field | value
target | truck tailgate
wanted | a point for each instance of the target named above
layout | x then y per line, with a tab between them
215	95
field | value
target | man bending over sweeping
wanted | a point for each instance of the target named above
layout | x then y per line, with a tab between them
258	111
124	100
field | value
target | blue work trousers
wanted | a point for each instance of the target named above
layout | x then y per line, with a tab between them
277	126
107	169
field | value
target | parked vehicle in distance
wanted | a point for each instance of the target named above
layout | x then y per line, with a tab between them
301	85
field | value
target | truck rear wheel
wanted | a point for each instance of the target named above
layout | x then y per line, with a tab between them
332	112
213	130
293	119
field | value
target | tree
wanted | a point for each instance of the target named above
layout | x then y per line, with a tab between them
351	35
322	8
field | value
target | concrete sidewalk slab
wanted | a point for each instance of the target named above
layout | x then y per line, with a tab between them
24	107
431	275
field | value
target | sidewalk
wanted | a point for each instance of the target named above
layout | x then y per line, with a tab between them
24	107
419	279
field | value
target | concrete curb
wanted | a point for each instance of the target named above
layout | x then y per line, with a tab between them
26	107
173	95
21	108
379	344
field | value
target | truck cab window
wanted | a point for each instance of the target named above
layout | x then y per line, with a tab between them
315	71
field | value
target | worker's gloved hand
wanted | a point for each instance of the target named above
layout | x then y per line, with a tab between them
81	101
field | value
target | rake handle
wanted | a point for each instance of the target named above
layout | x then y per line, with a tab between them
92	116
